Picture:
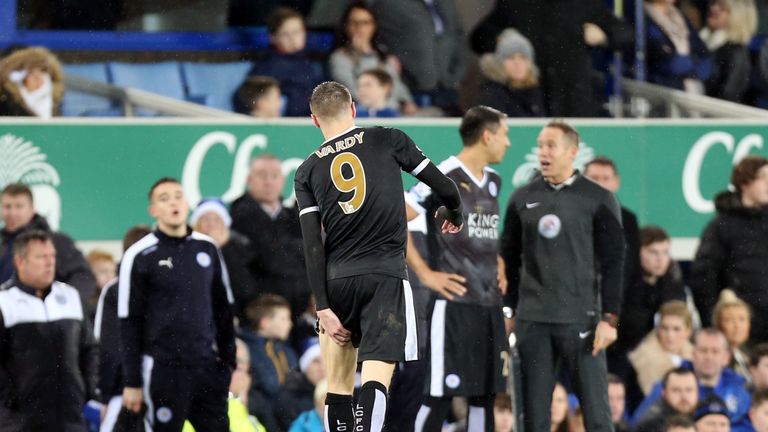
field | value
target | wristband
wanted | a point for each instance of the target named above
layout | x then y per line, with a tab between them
611	318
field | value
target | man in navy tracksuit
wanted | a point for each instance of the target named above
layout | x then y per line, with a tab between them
176	330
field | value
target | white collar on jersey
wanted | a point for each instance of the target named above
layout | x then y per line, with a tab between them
336	136
568	182
480	183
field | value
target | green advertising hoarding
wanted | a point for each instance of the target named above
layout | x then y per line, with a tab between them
90	177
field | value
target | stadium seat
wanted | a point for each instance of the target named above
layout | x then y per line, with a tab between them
162	78
215	82
77	104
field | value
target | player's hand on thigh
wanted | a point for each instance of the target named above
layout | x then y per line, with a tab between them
132	398
330	324
447	285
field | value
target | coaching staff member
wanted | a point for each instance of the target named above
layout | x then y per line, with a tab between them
48	356
564	251
176	330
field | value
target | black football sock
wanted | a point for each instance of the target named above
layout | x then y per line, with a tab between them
339	416
371	407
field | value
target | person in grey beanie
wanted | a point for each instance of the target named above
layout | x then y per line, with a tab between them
511	78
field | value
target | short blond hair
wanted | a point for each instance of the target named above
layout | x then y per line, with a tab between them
329	99
677	308
742	20
727	299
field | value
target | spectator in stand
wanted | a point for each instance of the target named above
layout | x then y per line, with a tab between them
617	400
710	357
18	214
428	39
312	420
48	358
758	367
272	358
107	333
304	327
561	32
358	49
712	416
730	27
212	219
676	56
374	88
31	83
288	62
733	251
560	410
278	262
679	396
679	423
296	396
103	267
260	97
758	412
659	282
666	347
732	317
511	78
503	417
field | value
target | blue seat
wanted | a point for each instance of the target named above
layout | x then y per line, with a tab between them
216	83
77	104
162	78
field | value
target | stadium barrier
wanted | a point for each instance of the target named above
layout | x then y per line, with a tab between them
90	176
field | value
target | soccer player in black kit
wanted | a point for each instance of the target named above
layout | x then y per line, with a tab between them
176	330
351	187
564	251
468	349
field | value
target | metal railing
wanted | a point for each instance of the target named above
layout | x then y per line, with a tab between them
130	99
646	99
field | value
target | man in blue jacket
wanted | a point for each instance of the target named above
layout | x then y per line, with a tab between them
710	357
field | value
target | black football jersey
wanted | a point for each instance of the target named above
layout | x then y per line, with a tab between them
354	180
472	252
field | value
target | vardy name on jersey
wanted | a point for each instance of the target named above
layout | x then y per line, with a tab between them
340	145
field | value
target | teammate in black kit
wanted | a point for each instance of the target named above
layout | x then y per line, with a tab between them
176	329
352	185
564	250
468	351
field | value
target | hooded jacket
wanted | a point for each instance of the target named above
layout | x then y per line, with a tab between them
71	266
733	254
496	91
11	101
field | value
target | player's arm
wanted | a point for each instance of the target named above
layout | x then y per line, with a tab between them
609	247
131	310
448	193
223	299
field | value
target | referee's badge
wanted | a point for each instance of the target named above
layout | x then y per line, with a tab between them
549	226
493	189
452	381
164	414
203	259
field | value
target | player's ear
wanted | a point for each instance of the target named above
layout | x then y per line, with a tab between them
354	110
314	120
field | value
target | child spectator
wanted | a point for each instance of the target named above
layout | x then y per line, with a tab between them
259	96
503	417
103	267
31	83
560	410
730	26
288	62
758	367
664	348
732	317
510	77
312	420
758	412
373	90
296	395
359	50
272	358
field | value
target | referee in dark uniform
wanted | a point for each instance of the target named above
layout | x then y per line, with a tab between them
564	251
176	329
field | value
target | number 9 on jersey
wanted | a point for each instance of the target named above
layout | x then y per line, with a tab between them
354	183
